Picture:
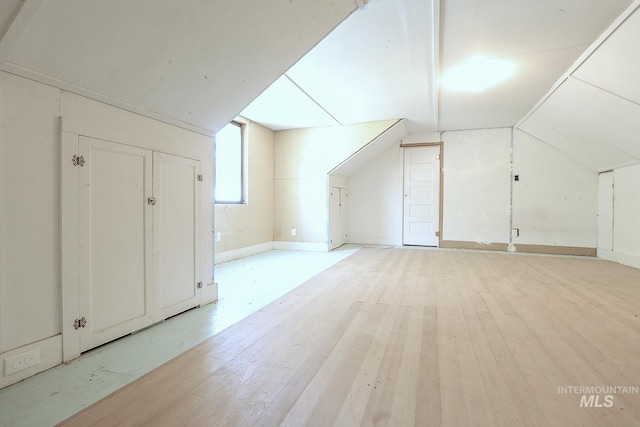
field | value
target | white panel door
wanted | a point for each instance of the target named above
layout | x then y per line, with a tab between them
175	237
337	217
114	232
605	211
343	216
421	196
334	218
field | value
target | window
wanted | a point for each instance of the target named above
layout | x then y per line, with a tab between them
229	186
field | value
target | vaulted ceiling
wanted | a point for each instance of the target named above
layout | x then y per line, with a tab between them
301	63
387	59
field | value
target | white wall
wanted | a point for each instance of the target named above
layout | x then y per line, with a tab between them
250	224
29	212
375	201
476	200
31	262
303	157
555	201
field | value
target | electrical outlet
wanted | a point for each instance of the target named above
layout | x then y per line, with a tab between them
293	231
515	232
218	236
21	361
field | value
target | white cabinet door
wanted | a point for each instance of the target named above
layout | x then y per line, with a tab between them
114	230
175	237
421	196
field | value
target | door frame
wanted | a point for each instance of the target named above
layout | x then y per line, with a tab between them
440	192
69	239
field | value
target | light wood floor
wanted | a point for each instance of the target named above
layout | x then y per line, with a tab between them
406	337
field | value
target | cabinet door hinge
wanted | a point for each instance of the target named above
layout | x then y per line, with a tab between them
200	178
79	323
151	201
77	160
199	285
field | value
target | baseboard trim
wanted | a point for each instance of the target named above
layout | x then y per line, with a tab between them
301	246
556	250
226	256
368	240
459	244
50	356
522	248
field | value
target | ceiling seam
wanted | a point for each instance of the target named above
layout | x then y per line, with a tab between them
617	23
435	97
312	99
617	95
565	154
602	142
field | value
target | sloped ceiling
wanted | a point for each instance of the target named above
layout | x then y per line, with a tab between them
592	112
377	65
542	38
386	60
192	62
372	150
198	63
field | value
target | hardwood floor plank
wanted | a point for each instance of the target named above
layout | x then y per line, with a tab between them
452	403
404	404
411	337
541	374
378	410
428	392
354	406
574	357
267	371
276	411
502	406
524	401
477	405
349	349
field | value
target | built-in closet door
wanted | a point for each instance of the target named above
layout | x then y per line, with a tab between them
605	212
175	239
114	230
337	217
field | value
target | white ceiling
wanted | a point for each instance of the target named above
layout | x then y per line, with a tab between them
592	113
376	65
192	62
385	60
198	63
373	149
